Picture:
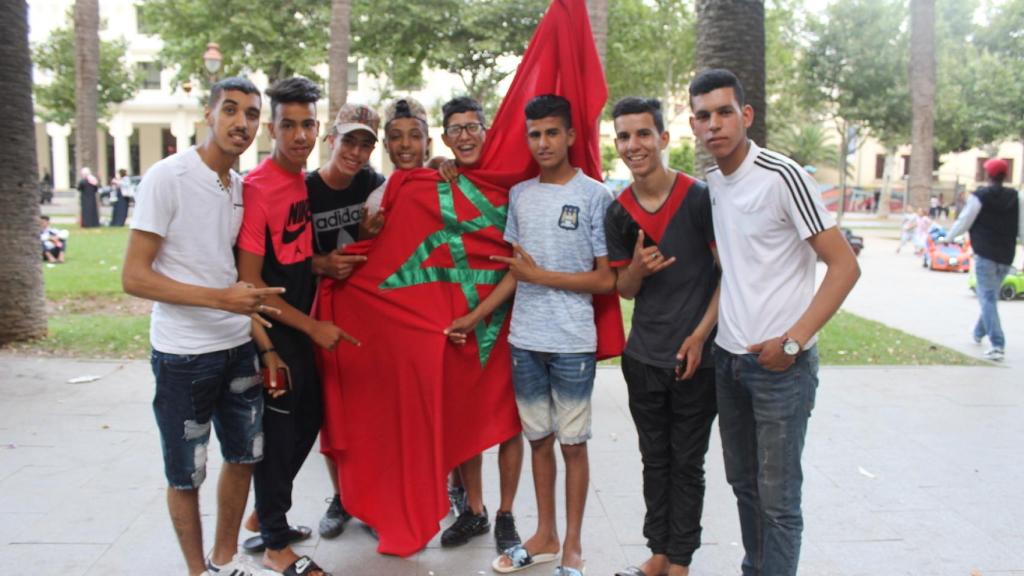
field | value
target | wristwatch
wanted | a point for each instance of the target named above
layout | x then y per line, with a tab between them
790	347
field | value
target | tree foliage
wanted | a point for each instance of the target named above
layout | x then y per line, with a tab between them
807	144
682	157
468	38
55	101
1002	41
650	50
857	64
280	38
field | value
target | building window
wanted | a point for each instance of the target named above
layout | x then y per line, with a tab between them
353	75
979	170
142	23
879	166
906	166
150	74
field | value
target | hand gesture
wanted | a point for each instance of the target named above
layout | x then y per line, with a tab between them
521	265
770	355
244	298
689	356
649	260
371	224
449	171
460	329
336	264
326	335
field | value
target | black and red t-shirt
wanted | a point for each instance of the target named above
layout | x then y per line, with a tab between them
277	226
670	303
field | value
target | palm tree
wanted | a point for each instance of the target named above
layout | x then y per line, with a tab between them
598	10
922	99
730	34
87	73
807	145
337	55
21	278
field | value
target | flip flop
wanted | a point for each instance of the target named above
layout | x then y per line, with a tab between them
631	571
304	565
255	545
569	571
521	559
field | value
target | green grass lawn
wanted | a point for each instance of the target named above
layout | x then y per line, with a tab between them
93	267
91	317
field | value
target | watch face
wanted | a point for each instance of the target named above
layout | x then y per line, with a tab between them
791	347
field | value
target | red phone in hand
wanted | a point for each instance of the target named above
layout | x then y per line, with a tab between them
284	379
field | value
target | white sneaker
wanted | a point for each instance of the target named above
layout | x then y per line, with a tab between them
994	354
240	565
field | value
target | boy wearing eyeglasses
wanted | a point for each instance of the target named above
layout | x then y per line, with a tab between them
465	128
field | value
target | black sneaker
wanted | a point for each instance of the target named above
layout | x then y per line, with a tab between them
333	522
457	498
505	533
465	527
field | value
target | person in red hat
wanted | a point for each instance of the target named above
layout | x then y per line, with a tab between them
993	216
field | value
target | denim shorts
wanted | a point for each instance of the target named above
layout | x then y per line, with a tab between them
193	390
553	393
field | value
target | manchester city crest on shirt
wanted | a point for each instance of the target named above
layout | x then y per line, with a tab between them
570	218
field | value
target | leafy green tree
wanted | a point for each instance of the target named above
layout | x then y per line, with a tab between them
682	157
56	58
1003	69
483	32
609	156
278	37
788	102
650	50
807	144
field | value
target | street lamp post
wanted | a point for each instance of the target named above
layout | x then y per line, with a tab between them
212	59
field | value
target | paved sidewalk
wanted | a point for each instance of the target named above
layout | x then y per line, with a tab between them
909	471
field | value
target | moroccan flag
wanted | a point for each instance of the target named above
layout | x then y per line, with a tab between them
407	406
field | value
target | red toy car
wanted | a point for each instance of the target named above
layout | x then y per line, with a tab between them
942	253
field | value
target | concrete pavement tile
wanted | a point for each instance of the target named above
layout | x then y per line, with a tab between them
37	489
148	546
13	525
64	559
90	516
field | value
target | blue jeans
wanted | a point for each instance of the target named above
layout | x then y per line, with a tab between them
553	393
990	276
762	418
194	389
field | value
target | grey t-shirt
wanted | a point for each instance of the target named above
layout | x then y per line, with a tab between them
562	228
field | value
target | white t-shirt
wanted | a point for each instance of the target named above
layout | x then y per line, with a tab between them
182	200
763	213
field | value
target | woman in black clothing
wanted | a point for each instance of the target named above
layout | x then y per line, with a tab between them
88	186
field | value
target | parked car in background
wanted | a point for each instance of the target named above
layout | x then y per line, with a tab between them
856	242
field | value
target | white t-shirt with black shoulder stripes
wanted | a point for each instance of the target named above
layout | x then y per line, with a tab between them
763	213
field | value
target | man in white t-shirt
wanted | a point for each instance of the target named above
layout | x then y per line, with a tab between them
770	227
180	254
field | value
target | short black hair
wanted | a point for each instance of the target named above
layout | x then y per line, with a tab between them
243	85
550	105
294	89
635	105
45	217
461	104
716	78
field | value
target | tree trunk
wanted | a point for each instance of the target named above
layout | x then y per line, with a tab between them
87	70
21	280
886	198
922	99
337	55
730	34
598	10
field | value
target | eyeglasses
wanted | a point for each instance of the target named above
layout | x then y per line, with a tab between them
455	130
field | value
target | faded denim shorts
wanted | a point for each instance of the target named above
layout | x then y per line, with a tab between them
553	393
195	390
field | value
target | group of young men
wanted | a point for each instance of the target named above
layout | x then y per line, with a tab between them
737	253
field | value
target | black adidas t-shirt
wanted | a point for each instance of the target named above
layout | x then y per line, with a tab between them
672	302
336	213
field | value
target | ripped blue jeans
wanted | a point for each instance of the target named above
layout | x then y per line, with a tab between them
193	391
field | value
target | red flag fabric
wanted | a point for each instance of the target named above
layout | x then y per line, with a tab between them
406	407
